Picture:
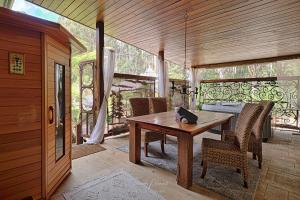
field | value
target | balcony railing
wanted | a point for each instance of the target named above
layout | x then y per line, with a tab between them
283	92
125	86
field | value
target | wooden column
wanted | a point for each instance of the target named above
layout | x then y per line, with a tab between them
99	62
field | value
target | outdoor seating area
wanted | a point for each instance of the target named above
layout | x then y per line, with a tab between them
154	100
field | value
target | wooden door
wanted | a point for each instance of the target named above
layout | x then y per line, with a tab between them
57	140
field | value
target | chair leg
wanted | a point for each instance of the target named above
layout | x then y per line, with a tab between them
245	173
259	155
162	146
204	169
259	160
165	138
202	163
146	149
245	184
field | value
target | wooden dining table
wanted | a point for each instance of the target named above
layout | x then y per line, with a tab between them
166	123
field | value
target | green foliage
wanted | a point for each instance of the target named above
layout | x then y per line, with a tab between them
175	71
282	68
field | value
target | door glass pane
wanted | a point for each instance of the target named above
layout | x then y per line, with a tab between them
59	111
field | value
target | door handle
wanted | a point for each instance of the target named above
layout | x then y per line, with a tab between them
50	115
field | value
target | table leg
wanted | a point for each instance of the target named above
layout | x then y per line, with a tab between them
134	143
185	160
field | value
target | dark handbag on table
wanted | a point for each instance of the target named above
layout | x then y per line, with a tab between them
183	113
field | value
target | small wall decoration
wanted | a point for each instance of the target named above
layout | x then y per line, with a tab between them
16	63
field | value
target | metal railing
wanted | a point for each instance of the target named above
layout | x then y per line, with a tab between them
283	92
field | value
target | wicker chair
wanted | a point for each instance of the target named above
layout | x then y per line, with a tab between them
255	141
159	104
140	106
232	152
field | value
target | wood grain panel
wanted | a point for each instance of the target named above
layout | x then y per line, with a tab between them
20	179
20	84
30	38
9	174
14	128
18	137
19	47
20	162
56	169
218	31
20	116
21	190
31	60
20	145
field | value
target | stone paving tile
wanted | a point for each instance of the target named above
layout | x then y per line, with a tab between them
280	175
293	196
275	193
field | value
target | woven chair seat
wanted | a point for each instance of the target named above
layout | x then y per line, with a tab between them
217	146
223	153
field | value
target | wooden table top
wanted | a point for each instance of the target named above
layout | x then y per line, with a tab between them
206	120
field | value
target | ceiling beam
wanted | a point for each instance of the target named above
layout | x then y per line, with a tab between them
248	62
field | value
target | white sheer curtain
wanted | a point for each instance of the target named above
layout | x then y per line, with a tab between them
108	75
163	78
285	81
194	81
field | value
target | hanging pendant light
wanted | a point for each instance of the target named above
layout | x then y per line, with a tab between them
184	88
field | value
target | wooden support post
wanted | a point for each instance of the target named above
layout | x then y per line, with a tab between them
79	138
100	60
99	64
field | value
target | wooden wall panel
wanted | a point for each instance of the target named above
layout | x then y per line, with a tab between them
20	116
56	170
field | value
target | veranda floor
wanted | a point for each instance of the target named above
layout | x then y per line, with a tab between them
280	172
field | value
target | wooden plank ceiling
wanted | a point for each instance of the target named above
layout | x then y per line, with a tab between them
217	31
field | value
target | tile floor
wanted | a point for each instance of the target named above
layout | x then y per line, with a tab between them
280	172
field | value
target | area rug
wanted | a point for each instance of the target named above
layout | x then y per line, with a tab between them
223	180
119	185
81	150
